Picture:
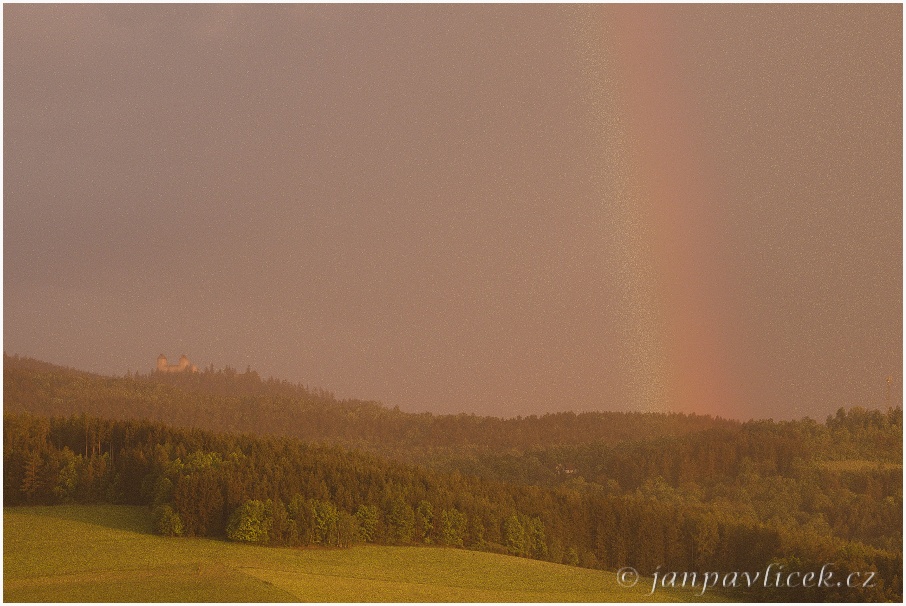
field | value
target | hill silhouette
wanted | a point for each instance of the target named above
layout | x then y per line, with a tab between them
227	400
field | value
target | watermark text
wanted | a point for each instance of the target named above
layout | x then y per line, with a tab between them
773	576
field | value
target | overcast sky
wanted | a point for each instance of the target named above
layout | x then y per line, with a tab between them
507	209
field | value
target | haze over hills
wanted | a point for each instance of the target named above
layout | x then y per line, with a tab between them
493	208
598	490
548	449
228	400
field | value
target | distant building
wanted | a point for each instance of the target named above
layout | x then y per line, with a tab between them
183	366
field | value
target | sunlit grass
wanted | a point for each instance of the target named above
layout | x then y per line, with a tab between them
106	553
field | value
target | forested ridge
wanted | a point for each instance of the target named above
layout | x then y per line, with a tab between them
698	494
228	400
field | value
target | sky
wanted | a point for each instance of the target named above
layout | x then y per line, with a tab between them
490	209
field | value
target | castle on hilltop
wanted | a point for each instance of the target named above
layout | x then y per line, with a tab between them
183	366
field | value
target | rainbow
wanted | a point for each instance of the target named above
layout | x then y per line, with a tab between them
661	196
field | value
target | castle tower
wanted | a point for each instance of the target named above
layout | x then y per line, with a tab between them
184	364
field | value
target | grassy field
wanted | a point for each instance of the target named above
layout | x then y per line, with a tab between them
106	553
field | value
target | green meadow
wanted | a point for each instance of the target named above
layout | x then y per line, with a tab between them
106	553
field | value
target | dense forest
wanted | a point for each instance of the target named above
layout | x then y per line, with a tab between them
269	462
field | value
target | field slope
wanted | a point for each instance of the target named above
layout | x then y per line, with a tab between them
106	553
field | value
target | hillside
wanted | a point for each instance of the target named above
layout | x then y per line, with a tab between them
118	560
225	400
594	490
279	491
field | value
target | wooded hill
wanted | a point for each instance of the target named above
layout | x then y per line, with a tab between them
598	490
226	400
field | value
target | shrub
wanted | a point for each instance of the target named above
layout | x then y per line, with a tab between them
165	521
249	523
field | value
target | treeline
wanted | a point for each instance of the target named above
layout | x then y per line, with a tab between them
232	401
844	475
582	489
284	492
708	457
